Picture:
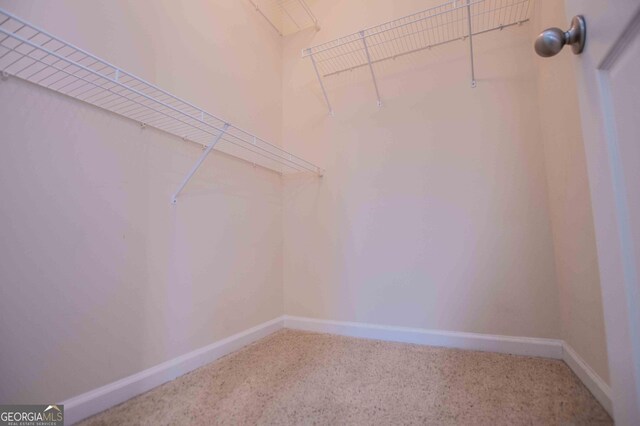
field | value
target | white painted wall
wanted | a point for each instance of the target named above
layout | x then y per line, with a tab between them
581	313
101	277
433	212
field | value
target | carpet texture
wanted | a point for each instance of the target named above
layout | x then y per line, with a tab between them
294	377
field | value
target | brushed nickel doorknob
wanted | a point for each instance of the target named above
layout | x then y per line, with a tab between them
551	41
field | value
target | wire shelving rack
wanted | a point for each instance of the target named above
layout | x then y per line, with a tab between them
452	21
286	16
32	54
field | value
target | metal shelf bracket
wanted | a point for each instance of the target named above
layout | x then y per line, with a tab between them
373	74
324	91
473	73
196	166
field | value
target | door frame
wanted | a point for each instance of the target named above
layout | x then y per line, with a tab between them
614	29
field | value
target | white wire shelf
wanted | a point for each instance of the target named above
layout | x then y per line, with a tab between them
452	21
286	16
32	54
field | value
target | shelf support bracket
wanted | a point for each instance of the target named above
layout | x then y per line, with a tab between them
473	73
204	155
255	4
373	74
324	91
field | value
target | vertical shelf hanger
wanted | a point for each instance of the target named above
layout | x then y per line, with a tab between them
195	168
473	71
452	21
324	91
373	74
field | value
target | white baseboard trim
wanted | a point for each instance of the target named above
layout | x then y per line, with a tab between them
547	348
87	404
600	390
100	399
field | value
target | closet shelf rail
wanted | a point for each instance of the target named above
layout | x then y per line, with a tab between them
32	54
452	21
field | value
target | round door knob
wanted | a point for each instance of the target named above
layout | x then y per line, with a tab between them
551	41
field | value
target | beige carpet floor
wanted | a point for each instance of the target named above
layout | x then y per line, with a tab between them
294	377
